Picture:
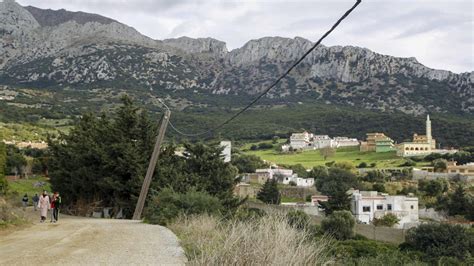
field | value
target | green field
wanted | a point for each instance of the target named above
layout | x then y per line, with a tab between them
313	158
22	186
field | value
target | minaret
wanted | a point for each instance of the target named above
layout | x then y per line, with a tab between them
428	129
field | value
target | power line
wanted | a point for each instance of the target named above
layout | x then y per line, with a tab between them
273	84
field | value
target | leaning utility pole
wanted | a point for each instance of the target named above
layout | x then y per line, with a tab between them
151	166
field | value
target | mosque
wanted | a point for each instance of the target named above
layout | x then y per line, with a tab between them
421	144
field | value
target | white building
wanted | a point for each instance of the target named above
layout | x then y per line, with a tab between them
226	152
299	181
323	141
285	176
367	205
346	142
277	172
300	140
308	141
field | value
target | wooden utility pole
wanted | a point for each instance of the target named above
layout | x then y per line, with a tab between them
151	166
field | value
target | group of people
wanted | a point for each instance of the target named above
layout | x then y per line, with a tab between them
44	203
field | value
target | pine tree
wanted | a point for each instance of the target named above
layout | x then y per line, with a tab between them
458	202
269	193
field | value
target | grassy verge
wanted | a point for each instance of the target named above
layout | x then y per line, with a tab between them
269	240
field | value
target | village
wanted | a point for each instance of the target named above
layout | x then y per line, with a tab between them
366	205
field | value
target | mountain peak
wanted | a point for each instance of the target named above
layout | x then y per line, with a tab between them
49	17
199	45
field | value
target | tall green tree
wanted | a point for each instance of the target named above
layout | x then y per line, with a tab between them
269	193
458	203
335	185
104	160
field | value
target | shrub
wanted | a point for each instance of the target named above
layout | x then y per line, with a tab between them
269	240
167	205
439	165
339	224
388	220
438	240
408	163
373	165
298	219
362	165
265	146
292	183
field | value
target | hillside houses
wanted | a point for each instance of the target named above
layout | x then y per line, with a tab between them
309	141
283	176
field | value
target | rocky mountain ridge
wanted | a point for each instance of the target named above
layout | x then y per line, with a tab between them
59	49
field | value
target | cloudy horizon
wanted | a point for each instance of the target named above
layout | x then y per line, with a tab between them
440	34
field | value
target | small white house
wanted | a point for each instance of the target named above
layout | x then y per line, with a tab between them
299	181
367	205
277	172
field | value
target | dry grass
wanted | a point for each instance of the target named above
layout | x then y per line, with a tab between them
10	216
265	241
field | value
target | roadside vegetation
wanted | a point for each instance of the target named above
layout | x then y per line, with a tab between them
267	240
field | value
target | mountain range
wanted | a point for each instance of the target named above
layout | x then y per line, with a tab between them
70	61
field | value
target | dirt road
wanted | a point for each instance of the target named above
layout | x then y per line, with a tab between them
87	241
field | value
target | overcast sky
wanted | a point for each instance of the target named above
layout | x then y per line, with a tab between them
439	33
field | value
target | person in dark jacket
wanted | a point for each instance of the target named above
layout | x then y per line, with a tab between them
24	201
35	201
56	205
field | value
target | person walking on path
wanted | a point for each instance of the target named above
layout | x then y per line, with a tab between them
51	201
24	201
44	205
56	203
35	201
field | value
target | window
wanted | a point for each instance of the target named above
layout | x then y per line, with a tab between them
389	207
380	207
366	208
411	207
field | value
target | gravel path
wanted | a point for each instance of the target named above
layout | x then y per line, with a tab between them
87	241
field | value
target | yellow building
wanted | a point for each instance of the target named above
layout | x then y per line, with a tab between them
421	144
